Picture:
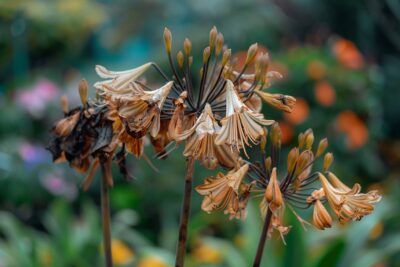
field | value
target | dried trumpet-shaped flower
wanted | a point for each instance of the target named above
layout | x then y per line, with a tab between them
348	203
241	125
222	192
141	112
201	143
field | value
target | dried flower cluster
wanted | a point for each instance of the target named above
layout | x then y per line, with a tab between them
217	120
296	189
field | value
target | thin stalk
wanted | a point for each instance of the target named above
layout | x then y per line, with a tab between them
263	238
185	212
105	213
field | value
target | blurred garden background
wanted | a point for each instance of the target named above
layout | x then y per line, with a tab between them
339	58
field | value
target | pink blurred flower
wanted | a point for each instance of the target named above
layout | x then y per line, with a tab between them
36	98
56	184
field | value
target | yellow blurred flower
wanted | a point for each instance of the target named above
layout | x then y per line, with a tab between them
207	254
121	253
152	261
45	257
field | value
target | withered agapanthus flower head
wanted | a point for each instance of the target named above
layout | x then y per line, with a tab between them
85	137
294	187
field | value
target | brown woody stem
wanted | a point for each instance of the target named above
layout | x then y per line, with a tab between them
105	213
185	212
263	238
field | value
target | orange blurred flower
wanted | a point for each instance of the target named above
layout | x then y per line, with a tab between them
324	93
347	54
355	129
316	70
300	112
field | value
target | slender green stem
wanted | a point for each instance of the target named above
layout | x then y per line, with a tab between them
263	238
105	212
185	212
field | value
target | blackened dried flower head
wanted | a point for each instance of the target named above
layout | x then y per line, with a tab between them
84	136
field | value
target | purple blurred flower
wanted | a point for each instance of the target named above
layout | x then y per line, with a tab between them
56	184
33	154
35	99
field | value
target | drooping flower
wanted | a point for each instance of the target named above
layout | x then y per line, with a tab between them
118	83
222	192
348	203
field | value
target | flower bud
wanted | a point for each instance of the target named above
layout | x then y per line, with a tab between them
328	159
303	161
64	104
167	40
267	164
83	91
251	53
179	58
301	139
276	134
219	43
292	159
187	46
190	60
309	140
273	192
206	54
323	144
213	37
225	57
263	141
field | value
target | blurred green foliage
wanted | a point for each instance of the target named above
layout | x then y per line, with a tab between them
46	47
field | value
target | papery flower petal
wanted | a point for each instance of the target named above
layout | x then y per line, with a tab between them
120	79
321	217
241	125
222	192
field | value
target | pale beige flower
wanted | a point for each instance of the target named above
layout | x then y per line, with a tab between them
119	81
222	192
241	125
201	142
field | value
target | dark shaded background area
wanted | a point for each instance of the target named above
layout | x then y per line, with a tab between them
340	59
